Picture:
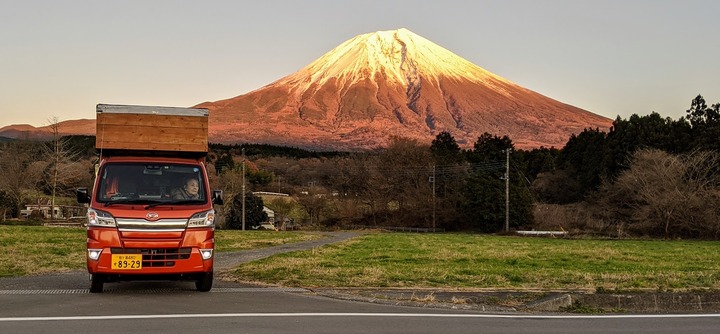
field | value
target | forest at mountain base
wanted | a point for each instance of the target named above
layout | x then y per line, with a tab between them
648	176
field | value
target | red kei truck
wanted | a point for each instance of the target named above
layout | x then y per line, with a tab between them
150	214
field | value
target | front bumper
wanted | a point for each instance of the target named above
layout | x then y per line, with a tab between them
160	256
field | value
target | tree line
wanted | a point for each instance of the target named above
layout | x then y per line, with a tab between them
646	176
589	186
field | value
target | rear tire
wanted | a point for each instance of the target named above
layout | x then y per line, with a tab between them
96	283
205	282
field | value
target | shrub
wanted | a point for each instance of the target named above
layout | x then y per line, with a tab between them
664	195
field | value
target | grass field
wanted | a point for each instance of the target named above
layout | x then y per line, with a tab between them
470	261
30	250
463	261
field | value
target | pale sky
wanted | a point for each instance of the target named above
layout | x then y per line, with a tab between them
61	58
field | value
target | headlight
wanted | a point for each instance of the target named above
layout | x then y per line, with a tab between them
206	253
94	254
100	218
202	219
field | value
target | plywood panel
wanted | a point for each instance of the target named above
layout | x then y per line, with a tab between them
151	132
165	121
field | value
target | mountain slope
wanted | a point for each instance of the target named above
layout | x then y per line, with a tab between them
69	127
387	83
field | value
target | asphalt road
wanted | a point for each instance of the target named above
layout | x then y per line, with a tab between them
138	308
60	303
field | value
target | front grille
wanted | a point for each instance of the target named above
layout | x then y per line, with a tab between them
156	257
162	225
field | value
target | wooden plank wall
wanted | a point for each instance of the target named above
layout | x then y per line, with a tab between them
151	132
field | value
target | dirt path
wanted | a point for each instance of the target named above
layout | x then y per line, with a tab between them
228	260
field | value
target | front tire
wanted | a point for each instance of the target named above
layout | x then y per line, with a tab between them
96	283
205	282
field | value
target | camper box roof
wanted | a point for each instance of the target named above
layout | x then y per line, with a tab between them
151	110
151	128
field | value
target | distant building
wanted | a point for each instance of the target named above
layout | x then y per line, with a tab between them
268	193
58	211
270	214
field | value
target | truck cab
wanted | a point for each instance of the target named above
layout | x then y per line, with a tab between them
150	212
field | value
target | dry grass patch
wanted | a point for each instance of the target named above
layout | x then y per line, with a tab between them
429	298
459	300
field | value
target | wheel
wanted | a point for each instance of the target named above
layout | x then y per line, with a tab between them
96	283
204	283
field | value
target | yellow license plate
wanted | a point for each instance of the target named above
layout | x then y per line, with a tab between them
127	261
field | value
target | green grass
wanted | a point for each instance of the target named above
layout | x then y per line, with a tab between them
465	261
480	261
31	250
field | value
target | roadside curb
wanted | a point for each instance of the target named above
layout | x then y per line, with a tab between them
661	302
533	301
410	299
552	303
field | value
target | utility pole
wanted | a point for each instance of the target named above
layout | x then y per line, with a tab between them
507	190
243	189
432	179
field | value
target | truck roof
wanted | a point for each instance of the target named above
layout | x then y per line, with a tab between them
150	110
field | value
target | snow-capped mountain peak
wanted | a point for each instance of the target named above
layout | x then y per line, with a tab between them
394	83
400	54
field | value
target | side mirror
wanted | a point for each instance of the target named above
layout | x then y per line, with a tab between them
217	197
82	195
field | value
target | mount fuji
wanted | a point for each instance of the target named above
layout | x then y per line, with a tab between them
393	83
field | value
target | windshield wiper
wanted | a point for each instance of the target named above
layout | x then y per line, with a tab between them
176	202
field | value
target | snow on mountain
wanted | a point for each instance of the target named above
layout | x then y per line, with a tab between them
400	54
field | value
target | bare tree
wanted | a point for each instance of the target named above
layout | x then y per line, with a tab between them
282	207
665	195
230	180
16	178
315	203
398	184
5	204
62	168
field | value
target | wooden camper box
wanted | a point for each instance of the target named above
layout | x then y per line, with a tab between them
149	128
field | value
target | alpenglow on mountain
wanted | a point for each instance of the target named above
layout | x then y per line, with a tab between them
393	83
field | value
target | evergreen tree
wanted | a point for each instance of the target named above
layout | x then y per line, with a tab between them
582	161
448	176
536	161
224	162
445	149
254	214
640	132
484	192
705	124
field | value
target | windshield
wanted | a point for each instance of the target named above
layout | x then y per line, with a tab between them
155	184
